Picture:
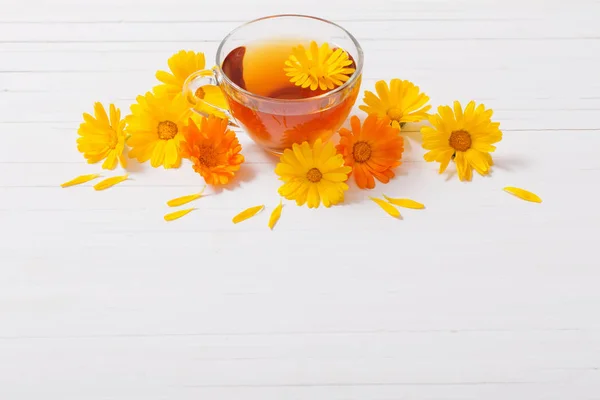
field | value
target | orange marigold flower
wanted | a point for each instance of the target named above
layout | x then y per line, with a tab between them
213	149
372	150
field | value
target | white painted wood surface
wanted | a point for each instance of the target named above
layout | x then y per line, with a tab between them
481	296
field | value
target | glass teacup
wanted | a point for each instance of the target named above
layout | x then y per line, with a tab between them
276	122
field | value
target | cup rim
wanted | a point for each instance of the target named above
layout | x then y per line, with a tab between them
353	78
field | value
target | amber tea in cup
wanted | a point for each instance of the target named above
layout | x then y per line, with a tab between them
261	98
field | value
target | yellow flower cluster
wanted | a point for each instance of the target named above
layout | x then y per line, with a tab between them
163	129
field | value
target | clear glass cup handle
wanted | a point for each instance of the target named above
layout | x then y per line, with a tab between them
194	90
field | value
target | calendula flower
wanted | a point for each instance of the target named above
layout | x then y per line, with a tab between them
182	64
465	137
401	102
372	150
213	149
318	67
156	124
101	138
313	174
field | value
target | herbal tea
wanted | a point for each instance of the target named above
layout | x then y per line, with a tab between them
276	125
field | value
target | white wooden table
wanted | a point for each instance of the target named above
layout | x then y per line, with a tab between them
481	296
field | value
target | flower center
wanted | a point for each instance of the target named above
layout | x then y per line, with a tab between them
361	151
395	114
316	71
167	130
114	140
207	156
314	175
200	93
460	140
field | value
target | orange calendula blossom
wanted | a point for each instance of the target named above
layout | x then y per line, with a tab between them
465	136
213	149
101	138
373	150
319	67
401	101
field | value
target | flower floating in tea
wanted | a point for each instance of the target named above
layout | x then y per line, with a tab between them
373	150
213	149
318	67
155	124
463	136
401	101
313	174
182	64
101	138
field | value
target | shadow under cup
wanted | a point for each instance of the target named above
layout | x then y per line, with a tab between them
277	123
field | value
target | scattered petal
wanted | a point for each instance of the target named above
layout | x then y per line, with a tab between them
249	213
406	203
523	194
177	214
387	207
275	215
108	182
179	201
79	180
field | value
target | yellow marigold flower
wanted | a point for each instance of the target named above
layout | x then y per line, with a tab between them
318	67
155	125
182	64
101	138
313	174
401	102
463	136
213	149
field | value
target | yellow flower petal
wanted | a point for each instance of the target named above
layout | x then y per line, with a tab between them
406	203
179	201
79	180
249	213
109	182
275	215
177	214
387	207
523	194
